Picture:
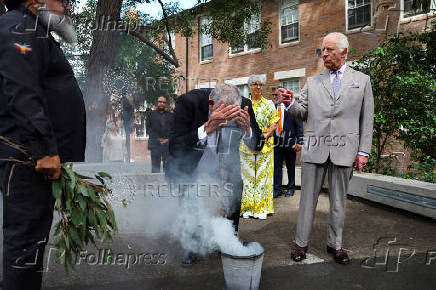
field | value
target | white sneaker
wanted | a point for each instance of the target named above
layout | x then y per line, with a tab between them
246	215
261	216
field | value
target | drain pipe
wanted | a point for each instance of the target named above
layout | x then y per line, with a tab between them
187	68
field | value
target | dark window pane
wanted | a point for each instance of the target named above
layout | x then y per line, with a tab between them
290	32
409	11
367	14
252	42
237	49
207	52
359	17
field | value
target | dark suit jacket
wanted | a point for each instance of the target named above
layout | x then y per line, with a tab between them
156	129
191	112
293	132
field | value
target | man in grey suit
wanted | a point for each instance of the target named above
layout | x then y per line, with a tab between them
338	106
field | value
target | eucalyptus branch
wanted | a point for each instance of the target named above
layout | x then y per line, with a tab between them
11	144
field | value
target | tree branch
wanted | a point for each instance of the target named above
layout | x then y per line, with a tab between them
167	27
172	59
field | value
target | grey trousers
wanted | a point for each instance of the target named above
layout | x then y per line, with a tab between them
312	177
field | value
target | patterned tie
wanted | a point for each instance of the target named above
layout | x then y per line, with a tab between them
279	111
336	84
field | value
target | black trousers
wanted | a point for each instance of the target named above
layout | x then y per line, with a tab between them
27	219
159	153
288	155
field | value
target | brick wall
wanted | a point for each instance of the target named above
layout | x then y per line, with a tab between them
316	19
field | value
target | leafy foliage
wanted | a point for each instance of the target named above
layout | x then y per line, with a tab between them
86	214
403	75
154	78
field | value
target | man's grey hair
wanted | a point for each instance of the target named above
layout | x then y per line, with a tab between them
342	40
256	78
225	93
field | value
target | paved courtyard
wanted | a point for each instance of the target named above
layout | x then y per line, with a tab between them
371	231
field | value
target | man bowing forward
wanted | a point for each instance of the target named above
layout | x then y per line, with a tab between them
338	106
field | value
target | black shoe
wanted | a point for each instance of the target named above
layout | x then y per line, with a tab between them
277	193
290	192
299	253
188	259
341	257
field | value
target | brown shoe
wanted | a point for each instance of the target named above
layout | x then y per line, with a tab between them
299	253
340	255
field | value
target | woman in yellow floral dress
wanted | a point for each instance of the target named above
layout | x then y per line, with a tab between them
257	167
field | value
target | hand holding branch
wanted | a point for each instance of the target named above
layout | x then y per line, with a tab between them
50	166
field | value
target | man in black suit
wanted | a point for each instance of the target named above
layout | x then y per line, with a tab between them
42	109
196	119
288	139
158	126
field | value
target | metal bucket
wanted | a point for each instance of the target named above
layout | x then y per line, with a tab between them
242	272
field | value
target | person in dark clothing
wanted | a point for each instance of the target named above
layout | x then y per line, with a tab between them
128	115
195	121
288	140
158	126
41	108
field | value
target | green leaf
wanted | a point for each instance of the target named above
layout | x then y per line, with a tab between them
82	203
58	229
112	220
75	237
100	179
104	175
68	198
82	189
56	188
77	217
92	195
72	177
80	176
91	217
101	218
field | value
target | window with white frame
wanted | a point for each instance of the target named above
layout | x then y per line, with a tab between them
359	13
293	85
206	42
251	27
289	26
409	11
140	119
173	40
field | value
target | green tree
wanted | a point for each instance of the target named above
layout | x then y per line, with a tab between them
227	25
403	75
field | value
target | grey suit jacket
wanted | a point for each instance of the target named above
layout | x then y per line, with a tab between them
339	129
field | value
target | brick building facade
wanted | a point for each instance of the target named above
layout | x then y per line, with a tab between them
298	27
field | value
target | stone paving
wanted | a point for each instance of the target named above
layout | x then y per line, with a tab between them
141	232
